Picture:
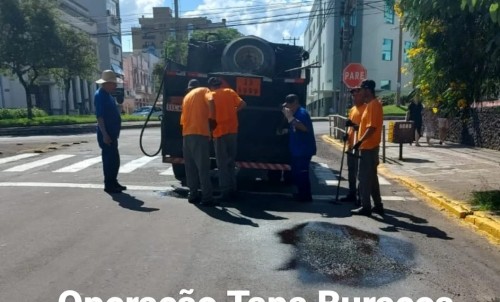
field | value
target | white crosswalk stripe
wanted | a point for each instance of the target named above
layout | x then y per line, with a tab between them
39	163
169	171
17	157
136	163
323	173
326	176
79	165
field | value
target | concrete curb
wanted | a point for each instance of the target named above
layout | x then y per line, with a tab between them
479	220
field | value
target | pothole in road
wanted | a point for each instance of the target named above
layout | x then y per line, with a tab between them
347	255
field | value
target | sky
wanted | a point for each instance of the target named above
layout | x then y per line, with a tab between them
273	20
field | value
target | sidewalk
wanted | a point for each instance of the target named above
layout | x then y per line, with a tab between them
445	175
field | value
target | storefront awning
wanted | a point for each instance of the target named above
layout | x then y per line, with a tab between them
116	41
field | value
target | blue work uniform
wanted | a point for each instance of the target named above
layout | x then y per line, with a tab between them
105	107
302	148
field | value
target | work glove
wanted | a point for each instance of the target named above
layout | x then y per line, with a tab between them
345	137
357	145
349	123
288	114
212	124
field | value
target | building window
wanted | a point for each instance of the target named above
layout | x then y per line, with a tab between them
387	50
407	46
389	14
111	8
385	84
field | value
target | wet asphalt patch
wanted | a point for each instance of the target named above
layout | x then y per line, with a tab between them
346	255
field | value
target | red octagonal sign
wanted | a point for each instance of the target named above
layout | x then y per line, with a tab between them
354	74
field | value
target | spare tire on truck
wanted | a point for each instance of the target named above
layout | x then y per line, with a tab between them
249	54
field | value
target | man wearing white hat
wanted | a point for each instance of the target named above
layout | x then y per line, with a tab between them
108	130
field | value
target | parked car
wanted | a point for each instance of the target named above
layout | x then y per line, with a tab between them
144	111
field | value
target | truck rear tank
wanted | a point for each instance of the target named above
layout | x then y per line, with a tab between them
259	72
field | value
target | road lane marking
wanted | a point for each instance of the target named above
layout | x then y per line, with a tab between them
384	198
79	165
169	171
382	181
80	186
38	163
17	157
136	163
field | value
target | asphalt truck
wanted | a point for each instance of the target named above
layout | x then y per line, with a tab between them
262	73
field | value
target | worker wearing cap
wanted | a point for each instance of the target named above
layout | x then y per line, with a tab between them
302	145
108	130
350	138
197	109
227	104
369	137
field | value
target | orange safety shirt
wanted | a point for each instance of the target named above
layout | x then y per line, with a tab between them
372	117
226	103
195	112
355	116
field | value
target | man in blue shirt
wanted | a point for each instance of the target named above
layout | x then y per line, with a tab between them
108	130
302	145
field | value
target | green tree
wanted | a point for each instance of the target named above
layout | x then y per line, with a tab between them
76	58
29	41
456	60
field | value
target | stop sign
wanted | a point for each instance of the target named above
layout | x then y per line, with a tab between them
354	74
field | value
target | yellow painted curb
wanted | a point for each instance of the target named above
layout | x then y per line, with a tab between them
484	224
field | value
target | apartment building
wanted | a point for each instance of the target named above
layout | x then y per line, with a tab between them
139	85
153	32
374	38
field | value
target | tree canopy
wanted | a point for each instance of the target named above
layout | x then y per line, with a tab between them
76	58
456	59
34	42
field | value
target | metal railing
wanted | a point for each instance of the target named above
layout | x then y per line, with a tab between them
337	125
337	129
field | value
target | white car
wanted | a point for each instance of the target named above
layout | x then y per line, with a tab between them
144	111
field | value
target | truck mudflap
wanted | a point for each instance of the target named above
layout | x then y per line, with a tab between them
239	164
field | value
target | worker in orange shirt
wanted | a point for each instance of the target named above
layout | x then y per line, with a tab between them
227	104
369	137
352	123
196	117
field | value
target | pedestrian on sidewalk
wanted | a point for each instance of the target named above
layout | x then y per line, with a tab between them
369	137
443	126
196	120
227	104
108	130
302	145
414	114
351	139
429	119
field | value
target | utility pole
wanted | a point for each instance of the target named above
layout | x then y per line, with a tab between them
400	54
347	35
291	39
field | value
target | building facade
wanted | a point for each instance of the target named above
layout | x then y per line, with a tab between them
342	32
153	32
139	85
